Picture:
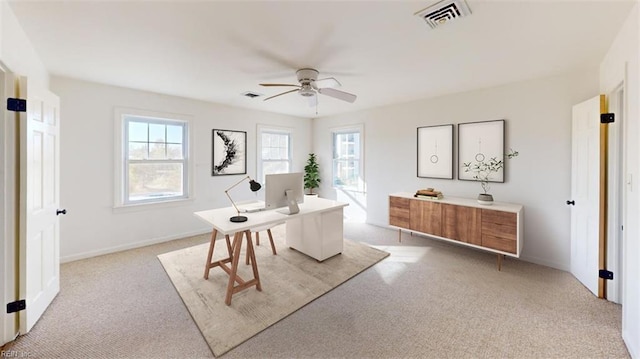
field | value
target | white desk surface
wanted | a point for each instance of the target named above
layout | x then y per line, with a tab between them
219	217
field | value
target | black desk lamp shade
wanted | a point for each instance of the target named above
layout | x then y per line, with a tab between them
254	186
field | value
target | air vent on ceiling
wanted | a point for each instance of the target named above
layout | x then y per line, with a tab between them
443	12
251	94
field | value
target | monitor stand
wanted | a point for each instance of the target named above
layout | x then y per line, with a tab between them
293	205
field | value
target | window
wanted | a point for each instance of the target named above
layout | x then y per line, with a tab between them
274	152
155	155
347	164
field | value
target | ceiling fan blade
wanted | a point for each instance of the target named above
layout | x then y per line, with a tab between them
298	86
328	82
280	94
340	95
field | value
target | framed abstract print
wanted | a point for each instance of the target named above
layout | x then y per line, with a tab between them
229	152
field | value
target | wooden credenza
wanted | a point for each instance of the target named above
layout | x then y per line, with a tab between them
496	228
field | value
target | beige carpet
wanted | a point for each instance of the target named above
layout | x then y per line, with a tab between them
428	299
289	281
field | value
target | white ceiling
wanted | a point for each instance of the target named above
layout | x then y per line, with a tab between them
216	50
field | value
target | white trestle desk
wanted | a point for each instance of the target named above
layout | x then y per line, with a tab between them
317	231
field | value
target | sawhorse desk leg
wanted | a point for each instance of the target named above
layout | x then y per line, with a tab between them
233	250
233	273
209	264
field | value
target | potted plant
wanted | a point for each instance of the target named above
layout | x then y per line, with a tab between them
311	174
483	170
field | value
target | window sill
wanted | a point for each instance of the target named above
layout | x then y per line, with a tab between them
138	207
347	189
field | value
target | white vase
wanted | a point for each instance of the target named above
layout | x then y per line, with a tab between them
485	198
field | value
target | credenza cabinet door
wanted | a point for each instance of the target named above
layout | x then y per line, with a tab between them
399	212
426	217
499	230
462	223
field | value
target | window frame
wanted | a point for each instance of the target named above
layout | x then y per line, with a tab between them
121	184
272	130
345	130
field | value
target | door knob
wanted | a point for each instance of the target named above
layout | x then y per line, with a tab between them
61	211
573	203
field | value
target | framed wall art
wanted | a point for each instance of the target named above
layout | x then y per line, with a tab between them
229	152
478	144
435	151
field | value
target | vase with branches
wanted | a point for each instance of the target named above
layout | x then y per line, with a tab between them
311	173
482	171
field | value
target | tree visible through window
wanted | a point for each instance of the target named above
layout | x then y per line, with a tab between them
155	152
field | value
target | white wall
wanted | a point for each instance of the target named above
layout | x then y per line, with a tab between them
538	114
16	50
91	225
621	64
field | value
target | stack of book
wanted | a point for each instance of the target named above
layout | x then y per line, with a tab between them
428	193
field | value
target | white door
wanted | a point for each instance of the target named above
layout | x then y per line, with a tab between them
585	192
8	205
39	258
616	205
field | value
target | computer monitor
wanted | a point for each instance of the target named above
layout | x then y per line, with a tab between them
284	189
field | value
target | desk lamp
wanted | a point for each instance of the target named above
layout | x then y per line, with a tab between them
253	185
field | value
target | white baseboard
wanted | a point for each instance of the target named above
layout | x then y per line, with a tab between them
546	263
125	247
632	344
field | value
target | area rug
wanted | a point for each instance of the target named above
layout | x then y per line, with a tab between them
289	280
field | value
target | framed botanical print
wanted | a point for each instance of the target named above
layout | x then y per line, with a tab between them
435	151
480	143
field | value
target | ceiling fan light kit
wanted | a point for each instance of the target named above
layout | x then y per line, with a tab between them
307	91
310	85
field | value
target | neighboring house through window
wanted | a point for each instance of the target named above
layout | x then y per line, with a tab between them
155	158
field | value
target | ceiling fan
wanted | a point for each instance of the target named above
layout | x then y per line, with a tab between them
310	85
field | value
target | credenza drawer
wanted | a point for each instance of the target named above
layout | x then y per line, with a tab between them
499	224
399	203
499	243
499	230
399	212
499	217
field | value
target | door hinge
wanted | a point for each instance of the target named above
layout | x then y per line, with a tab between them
16	105
607	117
605	274
16	306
